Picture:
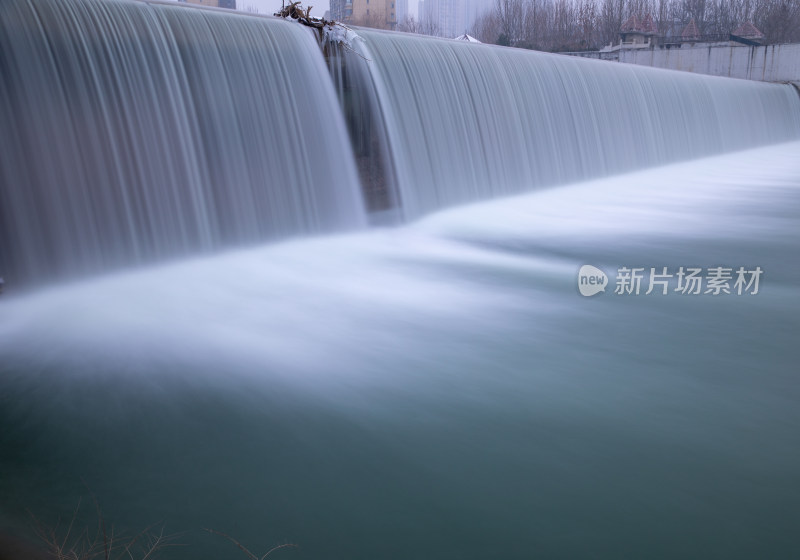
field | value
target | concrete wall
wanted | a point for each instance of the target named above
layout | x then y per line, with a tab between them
773	63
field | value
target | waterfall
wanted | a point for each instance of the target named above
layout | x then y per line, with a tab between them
135	131
132	132
469	122
440	389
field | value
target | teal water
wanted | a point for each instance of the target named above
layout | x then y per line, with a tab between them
438	390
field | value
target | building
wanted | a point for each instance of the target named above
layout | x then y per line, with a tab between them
451	18
676	45
379	14
341	10
638	32
229	4
748	34
642	34
402	10
690	33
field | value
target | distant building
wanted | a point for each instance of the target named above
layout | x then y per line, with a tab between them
690	32
466	38
402	10
677	45
341	10
380	14
451	17
229	4
642	33
637	32
748	34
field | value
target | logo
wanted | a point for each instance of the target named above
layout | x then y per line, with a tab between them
663	280
591	280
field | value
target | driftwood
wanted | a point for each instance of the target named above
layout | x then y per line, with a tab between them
329	31
296	11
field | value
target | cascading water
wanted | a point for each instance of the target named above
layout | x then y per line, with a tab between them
131	132
470	122
437	390
362	111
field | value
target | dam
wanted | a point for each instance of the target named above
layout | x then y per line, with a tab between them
200	328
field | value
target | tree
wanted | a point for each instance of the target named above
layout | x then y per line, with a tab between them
557	25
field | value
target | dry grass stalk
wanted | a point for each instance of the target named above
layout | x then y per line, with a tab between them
246	551
103	543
